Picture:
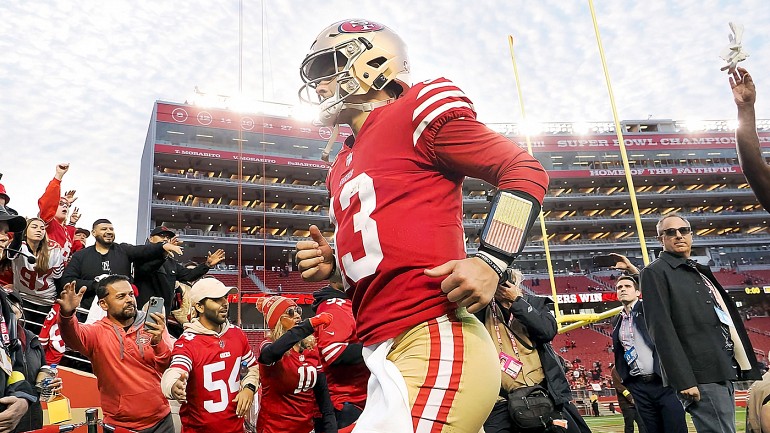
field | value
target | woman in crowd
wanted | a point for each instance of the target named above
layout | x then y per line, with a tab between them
35	272
293	384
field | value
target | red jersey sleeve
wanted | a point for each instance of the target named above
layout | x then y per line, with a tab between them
468	147
181	356
49	201
334	339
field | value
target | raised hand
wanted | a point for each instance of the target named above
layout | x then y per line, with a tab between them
744	91
69	300
70	196
61	169
171	248
315	258
214	258
75	216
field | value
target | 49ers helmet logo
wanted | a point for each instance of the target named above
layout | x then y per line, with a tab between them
359	26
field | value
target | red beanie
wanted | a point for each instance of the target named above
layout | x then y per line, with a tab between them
273	307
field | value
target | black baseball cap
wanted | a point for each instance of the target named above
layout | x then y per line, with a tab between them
16	223
162	230
84	231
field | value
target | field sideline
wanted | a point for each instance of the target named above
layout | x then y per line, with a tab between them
614	423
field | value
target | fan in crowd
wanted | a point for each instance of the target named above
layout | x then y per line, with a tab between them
205	360
37	267
341	356
294	385
54	211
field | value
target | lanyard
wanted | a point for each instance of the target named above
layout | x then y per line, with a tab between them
627	325
493	307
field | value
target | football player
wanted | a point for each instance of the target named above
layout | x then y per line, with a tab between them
396	202
341	355
293	383
206	365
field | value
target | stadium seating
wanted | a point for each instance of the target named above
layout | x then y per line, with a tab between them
731	278
231	279
564	284
590	346
293	283
255	337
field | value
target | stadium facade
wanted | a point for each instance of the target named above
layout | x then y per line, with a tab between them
198	161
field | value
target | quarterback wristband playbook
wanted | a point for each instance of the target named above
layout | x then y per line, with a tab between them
505	230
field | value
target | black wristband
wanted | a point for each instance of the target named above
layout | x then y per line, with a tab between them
500	272
251	387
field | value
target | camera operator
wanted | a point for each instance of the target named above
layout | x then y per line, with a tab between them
522	327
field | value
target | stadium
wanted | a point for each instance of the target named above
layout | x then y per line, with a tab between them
194	157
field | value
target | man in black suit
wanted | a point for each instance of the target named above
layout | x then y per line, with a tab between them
638	365
697	330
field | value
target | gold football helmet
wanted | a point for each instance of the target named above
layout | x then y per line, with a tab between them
359	55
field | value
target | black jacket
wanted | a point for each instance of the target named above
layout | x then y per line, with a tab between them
21	388
87	264
158	277
28	359
684	326
637	315
534	314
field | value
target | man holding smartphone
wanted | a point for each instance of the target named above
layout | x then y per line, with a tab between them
128	352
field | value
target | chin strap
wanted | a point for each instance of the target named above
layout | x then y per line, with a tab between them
333	111
369	106
329	144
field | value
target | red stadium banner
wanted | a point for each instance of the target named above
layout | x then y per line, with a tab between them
289	127
247	157
224	119
251	298
586	298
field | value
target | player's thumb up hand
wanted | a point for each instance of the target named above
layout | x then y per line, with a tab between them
317	236
321	320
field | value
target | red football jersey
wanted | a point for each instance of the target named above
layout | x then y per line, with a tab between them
288	402
213	365
347	383
28	280
50	337
396	202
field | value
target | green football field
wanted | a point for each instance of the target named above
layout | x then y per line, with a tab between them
614	423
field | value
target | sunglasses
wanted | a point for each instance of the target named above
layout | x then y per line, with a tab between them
290	312
672	231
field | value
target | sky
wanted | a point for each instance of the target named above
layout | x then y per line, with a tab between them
78	79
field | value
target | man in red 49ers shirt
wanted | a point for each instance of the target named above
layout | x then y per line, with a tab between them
346	373
396	203
204	374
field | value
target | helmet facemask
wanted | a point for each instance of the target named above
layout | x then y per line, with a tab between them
357	56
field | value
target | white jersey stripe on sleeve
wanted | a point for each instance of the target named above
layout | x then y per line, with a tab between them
332	347
328	356
434	86
181	361
249	359
434	114
437	97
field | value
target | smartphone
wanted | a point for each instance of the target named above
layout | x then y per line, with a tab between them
155	306
605	261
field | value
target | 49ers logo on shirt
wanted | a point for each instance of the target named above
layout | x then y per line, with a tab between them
359	26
